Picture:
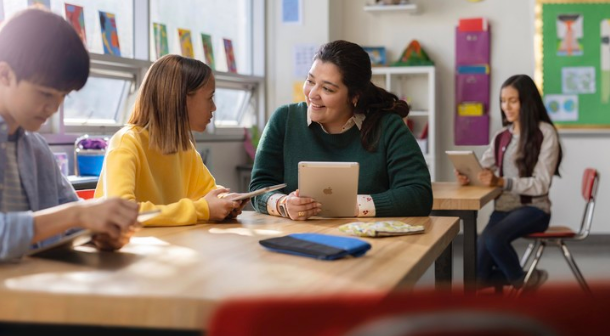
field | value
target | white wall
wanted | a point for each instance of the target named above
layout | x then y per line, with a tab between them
512	52
281	39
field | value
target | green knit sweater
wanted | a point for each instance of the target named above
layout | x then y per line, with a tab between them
395	175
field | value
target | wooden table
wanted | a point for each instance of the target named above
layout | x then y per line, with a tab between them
173	278
451	199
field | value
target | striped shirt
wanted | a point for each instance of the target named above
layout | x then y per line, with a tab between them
14	198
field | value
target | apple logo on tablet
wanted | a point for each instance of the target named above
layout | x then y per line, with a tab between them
328	191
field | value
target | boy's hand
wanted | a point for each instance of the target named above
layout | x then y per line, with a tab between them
462	179
220	208
113	217
103	241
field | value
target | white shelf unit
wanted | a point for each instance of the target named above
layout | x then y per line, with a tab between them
408	7
416	85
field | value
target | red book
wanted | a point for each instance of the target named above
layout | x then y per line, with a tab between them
424	133
474	24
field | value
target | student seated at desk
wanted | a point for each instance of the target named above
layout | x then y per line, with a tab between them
345	118
41	60
153	159
522	159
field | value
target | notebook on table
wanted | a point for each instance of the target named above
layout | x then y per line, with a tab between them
334	184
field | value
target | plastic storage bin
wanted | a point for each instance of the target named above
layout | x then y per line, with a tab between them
89	162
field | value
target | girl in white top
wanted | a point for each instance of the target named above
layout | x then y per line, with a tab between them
522	159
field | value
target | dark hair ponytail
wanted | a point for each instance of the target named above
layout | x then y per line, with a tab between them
374	102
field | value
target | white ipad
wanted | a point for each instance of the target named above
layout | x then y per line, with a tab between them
84	236
67	242
334	184
259	192
466	163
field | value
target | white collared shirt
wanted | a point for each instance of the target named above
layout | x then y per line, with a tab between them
357	119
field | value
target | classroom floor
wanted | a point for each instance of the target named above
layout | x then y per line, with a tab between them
591	255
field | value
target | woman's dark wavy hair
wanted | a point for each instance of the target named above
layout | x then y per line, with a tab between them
355	67
532	112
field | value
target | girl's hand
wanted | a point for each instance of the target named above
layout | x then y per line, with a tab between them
220	208
301	208
237	211
461	178
488	178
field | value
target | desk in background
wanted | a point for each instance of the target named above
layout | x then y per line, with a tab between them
173	278
83	182
451	199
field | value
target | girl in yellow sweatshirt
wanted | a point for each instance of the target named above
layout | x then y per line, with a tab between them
153	160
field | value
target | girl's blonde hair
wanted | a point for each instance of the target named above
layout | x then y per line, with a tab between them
161	104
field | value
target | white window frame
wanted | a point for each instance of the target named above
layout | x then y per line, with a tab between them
108	66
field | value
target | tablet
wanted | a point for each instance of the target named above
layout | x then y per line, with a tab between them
67	242
334	184
466	163
84	236
259	192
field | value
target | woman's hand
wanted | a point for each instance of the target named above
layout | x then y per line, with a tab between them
301	208
488	178
462	179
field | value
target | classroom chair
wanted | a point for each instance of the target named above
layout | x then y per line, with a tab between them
560	234
558	309
85	193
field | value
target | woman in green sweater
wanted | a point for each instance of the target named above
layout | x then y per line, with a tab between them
345	118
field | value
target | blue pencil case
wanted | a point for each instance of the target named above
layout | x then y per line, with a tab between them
317	246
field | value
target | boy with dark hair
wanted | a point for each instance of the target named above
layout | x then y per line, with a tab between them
42	59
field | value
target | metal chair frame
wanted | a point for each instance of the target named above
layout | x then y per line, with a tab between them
589	192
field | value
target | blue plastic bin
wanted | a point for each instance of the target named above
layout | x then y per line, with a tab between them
89	162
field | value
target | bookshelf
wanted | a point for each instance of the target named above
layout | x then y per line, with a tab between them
416	85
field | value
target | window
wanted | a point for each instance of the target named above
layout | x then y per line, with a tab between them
123	11
237	96
101	102
105	103
220	19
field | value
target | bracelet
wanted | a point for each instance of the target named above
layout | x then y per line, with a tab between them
281	206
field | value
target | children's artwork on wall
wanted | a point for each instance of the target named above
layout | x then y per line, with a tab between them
572	54
110	36
161	45
186	44
302	56
75	15
569	33
230	55
40	4
297	92
377	55
208	50
562	107
578	80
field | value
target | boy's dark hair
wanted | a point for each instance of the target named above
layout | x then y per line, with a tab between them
43	48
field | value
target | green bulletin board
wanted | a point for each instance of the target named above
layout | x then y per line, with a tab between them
574	68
